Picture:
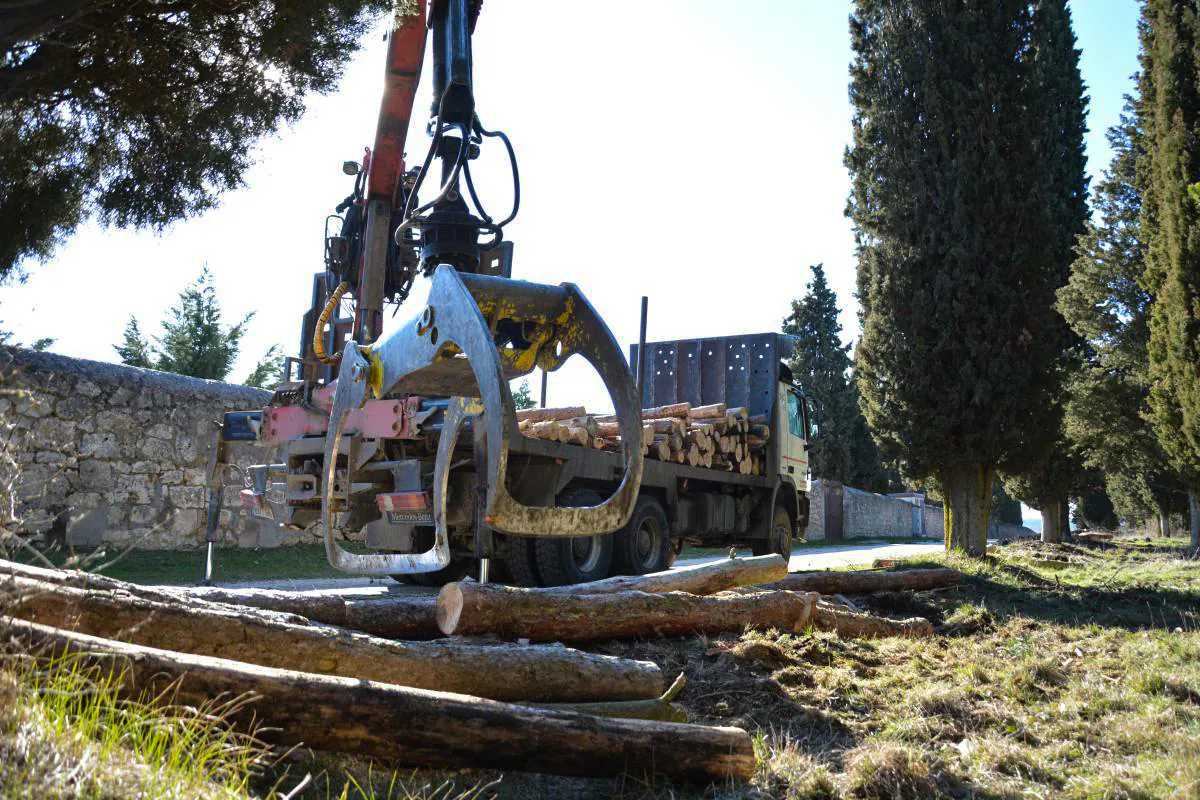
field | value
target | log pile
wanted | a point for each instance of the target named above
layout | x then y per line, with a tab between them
711	436
311	678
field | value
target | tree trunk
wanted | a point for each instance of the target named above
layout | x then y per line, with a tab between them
1051	521
1194	512
662	708
852	625
968	508
1164	520
550	674
707	578
412	726
393	616
466	609
866	582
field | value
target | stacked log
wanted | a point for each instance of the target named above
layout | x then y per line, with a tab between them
710	436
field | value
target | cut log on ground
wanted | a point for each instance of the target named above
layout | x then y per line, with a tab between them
465	610
707	578
865	582
412	726
662	708
849	625
549	674
390	616
548	414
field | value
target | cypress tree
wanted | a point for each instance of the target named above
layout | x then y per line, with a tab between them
1104	301
967	170
1171	218
842	449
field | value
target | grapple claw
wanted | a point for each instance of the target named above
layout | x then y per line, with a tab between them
450	349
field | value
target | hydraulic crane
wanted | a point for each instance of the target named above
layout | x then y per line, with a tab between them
371	424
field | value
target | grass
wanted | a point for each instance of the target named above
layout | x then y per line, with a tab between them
64	732
1057	671
183	567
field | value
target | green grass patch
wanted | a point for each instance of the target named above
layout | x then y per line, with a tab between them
184	567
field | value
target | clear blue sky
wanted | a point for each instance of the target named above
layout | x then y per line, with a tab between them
690	150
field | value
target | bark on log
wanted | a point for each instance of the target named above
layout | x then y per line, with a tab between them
412	726
681	410
391	616
546	414
866	582
850	625
505	673
517	613
710	411
707	578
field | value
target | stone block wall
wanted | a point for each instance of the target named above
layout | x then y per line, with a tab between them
865	515
106	453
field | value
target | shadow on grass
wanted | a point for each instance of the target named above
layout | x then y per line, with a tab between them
1081	595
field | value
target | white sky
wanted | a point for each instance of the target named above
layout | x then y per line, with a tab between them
689	150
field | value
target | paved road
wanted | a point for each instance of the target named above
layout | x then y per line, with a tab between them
812	558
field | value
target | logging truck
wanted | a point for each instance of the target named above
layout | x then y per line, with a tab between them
724	437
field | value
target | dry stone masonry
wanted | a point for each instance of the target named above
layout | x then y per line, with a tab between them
106	453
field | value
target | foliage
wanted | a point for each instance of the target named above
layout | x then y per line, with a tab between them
1005	508
142	113
1096	510
1105	303
820	364
960	252
193	342
43	344
523	397
1171	219
268	371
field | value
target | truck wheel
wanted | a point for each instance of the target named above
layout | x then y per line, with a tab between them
519	561
644	544
579	559
779	538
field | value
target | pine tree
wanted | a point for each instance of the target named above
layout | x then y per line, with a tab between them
268	371
820	364
1171	219
1106	305
134	350
967	176
193	342
523	397
139	114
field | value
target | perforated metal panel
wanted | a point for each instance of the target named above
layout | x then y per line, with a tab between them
734	370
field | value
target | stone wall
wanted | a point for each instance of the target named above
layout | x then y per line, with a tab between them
113	454
865	515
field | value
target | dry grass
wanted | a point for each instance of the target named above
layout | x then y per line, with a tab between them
1062	671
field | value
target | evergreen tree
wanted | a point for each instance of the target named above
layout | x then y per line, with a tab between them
134	349
1105	303
139	114
1171	220
268	371
968	187
820	364
523	397
193	342
1005	508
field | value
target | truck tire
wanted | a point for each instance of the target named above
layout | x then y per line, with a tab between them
644	544
519	561
578	559
779	537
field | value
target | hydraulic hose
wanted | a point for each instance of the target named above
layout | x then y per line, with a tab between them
323	320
